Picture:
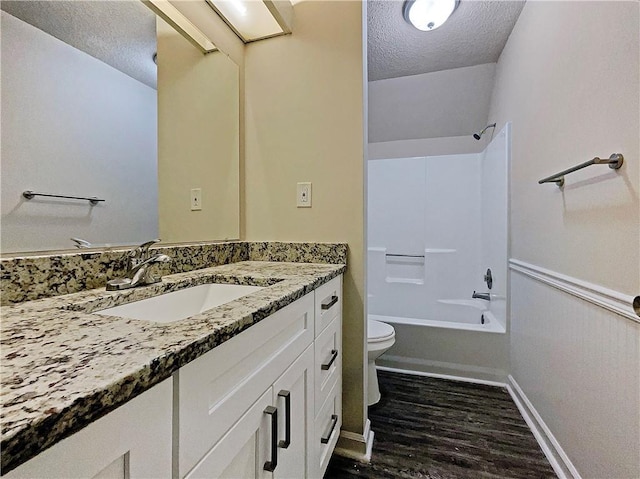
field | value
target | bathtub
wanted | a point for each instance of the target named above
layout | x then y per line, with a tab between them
465	314
455	344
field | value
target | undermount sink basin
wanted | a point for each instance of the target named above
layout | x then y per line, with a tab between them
181	304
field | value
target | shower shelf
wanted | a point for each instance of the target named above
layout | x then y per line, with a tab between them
404	280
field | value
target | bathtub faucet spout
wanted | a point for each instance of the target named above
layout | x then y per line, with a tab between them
485	296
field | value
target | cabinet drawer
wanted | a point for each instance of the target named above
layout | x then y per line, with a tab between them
220	386
328	361
328	303
327	430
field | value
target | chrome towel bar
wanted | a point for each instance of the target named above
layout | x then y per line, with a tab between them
614	161
91	199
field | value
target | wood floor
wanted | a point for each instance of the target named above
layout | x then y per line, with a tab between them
439	429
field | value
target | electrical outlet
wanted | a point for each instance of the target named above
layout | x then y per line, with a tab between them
196	199
304	195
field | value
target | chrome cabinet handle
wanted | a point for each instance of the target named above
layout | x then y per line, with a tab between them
287	419
334	355
334	421
327	304
273	463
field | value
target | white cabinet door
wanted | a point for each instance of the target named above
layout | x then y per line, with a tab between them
133	441
293	397
217	388
244	451
273	438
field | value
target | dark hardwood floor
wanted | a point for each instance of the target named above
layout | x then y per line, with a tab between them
439	429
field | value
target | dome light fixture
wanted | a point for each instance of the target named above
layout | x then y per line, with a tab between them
428	15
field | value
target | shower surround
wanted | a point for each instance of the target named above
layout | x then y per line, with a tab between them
435	225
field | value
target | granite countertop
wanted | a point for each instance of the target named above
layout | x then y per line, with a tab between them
63	367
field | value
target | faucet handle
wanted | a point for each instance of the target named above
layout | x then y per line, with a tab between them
143	250
140	253
80	243
145	246
488	278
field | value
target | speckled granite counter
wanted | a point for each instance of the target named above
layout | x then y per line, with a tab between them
34	276
63	367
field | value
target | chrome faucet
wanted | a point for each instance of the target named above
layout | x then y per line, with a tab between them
138	268
140	254
485	296
141	274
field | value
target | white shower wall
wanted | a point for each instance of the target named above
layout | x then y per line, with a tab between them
427	207
495	215
453	210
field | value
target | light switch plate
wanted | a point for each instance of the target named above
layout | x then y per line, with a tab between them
196	199
304	195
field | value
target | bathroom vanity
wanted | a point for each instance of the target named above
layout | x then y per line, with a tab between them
250	388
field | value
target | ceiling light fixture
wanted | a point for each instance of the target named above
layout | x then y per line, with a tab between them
255	20
428	15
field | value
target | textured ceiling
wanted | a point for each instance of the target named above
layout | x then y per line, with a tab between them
475	34
120	33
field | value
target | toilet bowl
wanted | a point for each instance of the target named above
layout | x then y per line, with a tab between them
380	337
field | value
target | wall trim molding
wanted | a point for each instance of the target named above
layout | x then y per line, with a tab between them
558	459
608	299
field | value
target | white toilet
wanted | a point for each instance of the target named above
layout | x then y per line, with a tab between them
380	337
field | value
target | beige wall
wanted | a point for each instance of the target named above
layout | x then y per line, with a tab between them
228	42
570	86
571	89
304	122
198	131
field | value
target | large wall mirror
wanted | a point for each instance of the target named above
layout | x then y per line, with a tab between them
86	111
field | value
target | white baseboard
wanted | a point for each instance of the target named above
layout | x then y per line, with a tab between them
366	438
558	459
443	376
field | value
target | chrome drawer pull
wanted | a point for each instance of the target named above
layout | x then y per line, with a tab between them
273	463
287	419
334	355
334	421
327	304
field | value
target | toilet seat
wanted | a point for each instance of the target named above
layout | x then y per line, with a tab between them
379	331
